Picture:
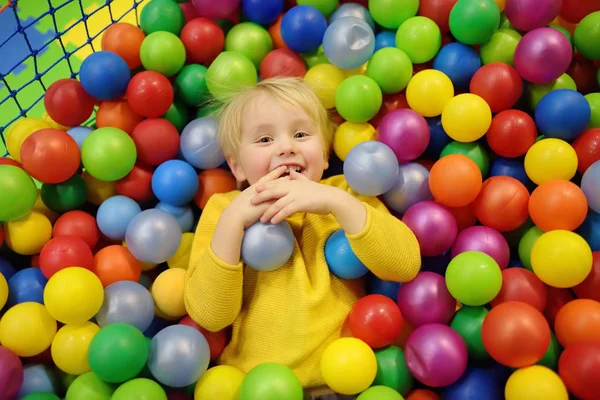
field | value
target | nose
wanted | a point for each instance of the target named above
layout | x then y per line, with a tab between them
286	147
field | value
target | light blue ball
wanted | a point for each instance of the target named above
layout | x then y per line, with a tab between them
38	378
175	182
199	145
590	184
115	214
178	356
79	133
128	302
348	43
184	215
371	168
353	10
341	260
411	187
385	39
153	236
266	247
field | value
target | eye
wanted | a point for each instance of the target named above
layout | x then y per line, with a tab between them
300	134
264	139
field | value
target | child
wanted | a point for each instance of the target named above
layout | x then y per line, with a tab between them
276	136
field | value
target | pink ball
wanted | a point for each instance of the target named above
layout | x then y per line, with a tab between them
212	9
526	15
486	240
426	300
189	11
11	373
406	132
434	226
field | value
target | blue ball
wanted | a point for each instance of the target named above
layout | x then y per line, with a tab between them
6	269
104	75
262	12
562	114
267	247
513	167
128	302
348	43
175	182
27	285
340	258
459	62
199	144
178	356
371	168
157	325
79	133
437	264
302	28
438	138
385	39
38	378
115	214
184	215
476	384
385	288
354	10
153	236
590	230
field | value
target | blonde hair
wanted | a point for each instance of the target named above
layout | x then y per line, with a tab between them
287	90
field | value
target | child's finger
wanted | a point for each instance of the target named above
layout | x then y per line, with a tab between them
275	208
276	173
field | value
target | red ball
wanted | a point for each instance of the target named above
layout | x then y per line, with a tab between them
376	320
438	11
50	155
282	62
511	133
203	39
590	287
156	141
67	103
216	340
587	147
150	94
499	84
502	203
63	252
117	114
137	185
10	161
1	237
390	103
579	368
520	284
77	223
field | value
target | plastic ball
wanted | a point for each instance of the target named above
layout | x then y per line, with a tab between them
352	10
485	240
216	340
475	382
209	9
250	39
420	38
411	186
586	31
558	204
392	370
219	382
199	145
117	114
88	384
70	345
263	13
229	71
139	387
19	193
28	235
376	320
4	291
426	300
455	180
466	117
156	141
526	15
467	322
577	368
68	103
502	203
19	131
473	278
348	366
512	133
590	186
341	260
270	380
390	62
27	329
115	214
162	52
153	236
127	302
150	94
433	225
79	133
459	62
24	286
175	182
203	40
562	114
358	98
324	79
363	160
550	159
183	214
405	132
474	22
577	321
499	84
11	374
212	181
520	284
302	28
108	154
63	252
167	292
349	135
282	62
348	42
124	39
104	75
428	92
380	392
267	247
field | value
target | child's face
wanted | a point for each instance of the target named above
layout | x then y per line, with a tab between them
275	134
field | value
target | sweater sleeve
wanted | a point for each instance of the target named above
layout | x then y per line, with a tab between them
213	289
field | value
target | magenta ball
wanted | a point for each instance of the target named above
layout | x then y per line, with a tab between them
436	355
406	132
11	373
434	226
426	300
543	55
484	239
526	15
212	9
178	396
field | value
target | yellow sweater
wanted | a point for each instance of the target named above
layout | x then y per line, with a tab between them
291	314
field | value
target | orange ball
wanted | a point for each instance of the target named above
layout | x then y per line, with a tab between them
502	203
558	204
455	180
578	321
116	263
275	32
125	40
213	181
465	216
422	394
117	114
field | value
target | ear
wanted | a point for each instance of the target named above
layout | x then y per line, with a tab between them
236	169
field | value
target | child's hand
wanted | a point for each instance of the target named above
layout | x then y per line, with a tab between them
297	194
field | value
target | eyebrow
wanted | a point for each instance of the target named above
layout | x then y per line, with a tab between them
299	122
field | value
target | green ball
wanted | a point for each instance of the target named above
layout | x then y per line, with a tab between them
326	7
474	150
19	193
501	47
90	387
315	58
587	36
40	396
380	393
467	323
140	389
65	196
250	39
108	154
536	92
178	114
474	21
163	52
162	15
526	244
513	237
392	13
473	278
271	381
358	98
552	355
594	101
598	76
228	72
391	68
420	38
566	33
190	85
392	370
118	352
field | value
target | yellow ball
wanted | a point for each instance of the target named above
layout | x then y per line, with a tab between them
349	134
20	131
561	258
181	258
27	329
53	123
28	235
70	347
348	366
167	292
3	291
428	91
73	295
97	190
466	118
550	159
324	79
535	383
362	70
221	382
42	208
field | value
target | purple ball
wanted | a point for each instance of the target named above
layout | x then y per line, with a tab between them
543	55
436	355
486	240
426	300
411	186
406	132
434	226
215	9
526	15
11	373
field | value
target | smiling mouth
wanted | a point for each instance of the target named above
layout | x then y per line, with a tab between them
293	167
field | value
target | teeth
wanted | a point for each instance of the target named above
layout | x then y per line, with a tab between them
294	168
